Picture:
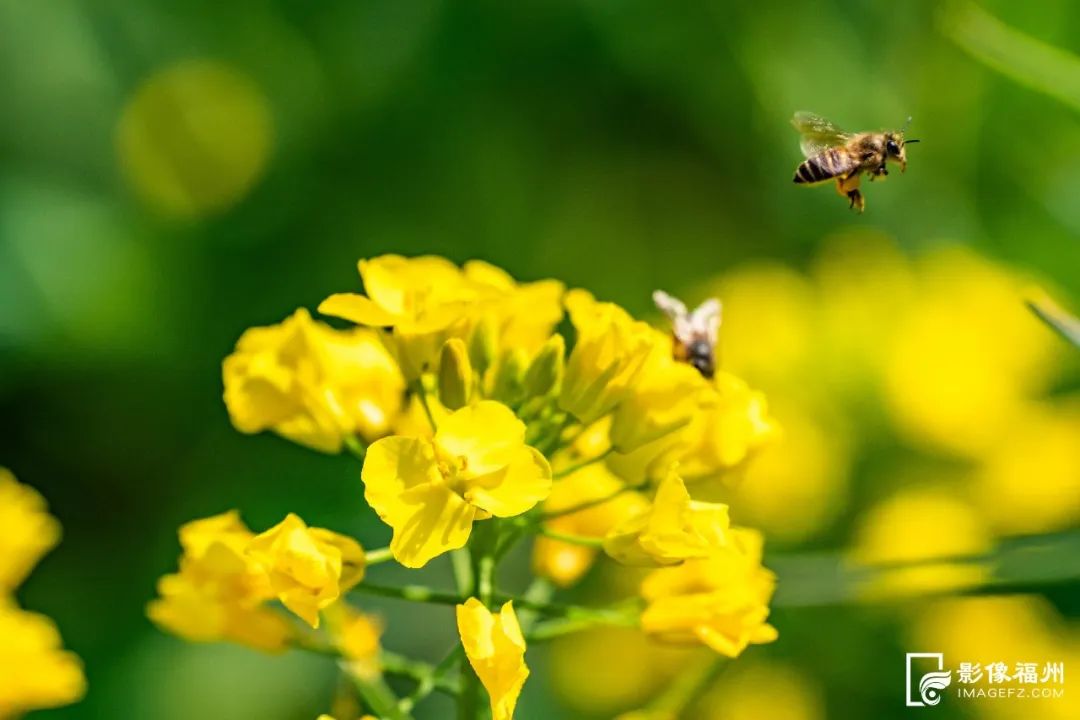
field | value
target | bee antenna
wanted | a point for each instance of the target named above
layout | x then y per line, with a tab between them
908	142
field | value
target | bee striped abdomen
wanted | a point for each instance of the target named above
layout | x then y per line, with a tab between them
823	166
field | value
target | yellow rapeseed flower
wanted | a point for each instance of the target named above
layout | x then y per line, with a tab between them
35	672
674	529
423	299
730	424
311	383
564	563
430	490
219	593
308	568
664	397
27	531
609	352
522	315
495	648
725	434
721	601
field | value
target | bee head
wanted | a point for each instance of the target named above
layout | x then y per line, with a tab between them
895	150
700	356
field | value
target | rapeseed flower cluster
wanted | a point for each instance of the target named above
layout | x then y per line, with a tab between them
35	671
478	424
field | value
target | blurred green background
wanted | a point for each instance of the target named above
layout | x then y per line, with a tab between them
172	173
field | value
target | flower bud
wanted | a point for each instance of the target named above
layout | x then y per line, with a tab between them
455	374
510	376
546	371
483	345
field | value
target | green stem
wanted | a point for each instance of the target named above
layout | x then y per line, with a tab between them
461	561
379	698
434	679
574	623
583	464
356	446
374	691
689	685
421	392
375	557
412	593
572	539
538	593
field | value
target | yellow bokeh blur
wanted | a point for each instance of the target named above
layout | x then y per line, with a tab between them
1030	481
760	689
609	669
920	524
194	138
967	355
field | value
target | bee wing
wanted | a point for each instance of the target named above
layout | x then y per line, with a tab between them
707	317
817	133
673	307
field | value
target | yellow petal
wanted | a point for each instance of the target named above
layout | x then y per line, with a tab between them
487	435
495	648
36	671
358	309
515	489
674	529
434	520
27	531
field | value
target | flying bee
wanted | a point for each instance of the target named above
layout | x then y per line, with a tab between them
832	154
694	333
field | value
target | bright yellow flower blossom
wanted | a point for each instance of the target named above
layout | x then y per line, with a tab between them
424	299
730	425
730	428
35	672
495	648
609	352
522	314
219	593
564	563
430	490
722	601
308	568
311	383
27	531
664	397
673	530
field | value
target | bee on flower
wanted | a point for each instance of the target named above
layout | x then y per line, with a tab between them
478	425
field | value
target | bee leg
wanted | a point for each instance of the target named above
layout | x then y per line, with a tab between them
858	203
849	187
